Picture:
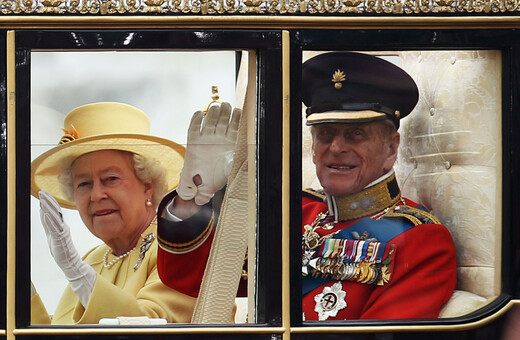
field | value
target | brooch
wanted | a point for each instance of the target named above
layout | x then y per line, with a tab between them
143	248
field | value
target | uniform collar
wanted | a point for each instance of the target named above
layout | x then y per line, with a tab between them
377	196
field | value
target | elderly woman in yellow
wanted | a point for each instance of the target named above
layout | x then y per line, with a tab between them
109	168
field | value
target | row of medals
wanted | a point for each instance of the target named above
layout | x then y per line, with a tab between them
363	272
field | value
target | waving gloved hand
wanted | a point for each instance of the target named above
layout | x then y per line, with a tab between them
209	152
81	276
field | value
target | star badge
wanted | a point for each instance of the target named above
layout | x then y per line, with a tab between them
330	301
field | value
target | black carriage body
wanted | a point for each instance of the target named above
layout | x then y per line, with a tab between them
277	316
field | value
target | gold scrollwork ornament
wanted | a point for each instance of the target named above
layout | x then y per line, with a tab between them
444	6
51	6
154	6
252	6
212	7
351	6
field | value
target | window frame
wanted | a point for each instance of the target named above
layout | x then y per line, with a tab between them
508	42
267	46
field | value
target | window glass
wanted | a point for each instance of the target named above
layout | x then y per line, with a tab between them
168	86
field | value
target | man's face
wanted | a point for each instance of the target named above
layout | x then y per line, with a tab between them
350	156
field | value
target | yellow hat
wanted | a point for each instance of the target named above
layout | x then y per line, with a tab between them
103	126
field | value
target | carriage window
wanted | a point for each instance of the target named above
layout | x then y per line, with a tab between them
448	170
91	112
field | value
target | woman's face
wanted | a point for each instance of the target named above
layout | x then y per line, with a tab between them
110	198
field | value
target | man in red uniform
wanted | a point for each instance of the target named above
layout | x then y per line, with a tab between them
367	253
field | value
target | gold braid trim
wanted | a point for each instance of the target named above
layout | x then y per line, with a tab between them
369	201
314	193
414	215
184	247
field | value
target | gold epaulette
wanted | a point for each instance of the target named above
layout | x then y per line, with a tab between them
415	215
319	194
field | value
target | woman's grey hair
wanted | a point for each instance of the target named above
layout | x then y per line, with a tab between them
147	170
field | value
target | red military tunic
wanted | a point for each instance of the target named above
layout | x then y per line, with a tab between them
184	247
423	262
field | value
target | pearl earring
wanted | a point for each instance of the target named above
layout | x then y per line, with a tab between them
148	203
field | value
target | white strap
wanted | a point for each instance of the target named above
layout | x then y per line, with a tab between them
224	268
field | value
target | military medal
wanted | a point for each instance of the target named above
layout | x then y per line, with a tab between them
361	259
306	259
330	301
311	239
342	259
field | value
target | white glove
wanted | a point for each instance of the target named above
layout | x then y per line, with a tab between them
209	152
81	276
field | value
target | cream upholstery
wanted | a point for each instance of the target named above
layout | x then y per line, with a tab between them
450	162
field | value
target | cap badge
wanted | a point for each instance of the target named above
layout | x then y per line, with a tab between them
337	78
69	135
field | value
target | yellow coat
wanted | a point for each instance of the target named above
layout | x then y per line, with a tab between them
120	291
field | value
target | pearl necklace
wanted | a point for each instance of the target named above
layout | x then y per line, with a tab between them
109	265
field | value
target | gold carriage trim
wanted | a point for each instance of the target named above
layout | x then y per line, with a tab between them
287	7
